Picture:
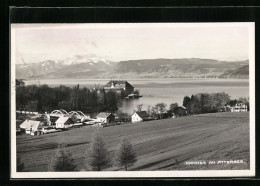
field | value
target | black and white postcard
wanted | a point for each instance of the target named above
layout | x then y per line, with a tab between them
129	100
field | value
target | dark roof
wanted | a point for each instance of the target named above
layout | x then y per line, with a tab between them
104	114
181	107
142	114
117	84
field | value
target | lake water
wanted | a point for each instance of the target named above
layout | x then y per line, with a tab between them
162	90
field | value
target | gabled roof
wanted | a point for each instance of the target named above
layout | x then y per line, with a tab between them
104	114
117	84
28	124
181	107
63	119
142	114
240	105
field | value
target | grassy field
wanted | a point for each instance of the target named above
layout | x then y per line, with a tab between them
160	145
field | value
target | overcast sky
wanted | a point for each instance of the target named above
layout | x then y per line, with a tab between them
118	42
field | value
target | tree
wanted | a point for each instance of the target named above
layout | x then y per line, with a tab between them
242	100
195	105
126	155
62	160
205	102
161	108
111	98
219	100
139	107
19	165
173	106
186	101
137	91
149	109
19	82
123	117
154	112
233	102
99	155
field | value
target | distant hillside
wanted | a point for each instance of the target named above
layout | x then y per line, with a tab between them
74	67
241	72
33	70
175	68
90	66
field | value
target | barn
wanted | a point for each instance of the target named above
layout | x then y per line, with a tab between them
30	127
105	117
64	122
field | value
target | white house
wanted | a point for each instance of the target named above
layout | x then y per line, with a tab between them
105	117
64	122
30	127
239	107
140	116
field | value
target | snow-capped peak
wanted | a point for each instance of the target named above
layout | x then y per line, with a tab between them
90	58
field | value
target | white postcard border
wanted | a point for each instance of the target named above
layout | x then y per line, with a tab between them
144	174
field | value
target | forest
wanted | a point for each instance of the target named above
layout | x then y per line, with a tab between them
42	98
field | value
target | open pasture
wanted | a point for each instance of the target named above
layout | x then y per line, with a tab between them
160	144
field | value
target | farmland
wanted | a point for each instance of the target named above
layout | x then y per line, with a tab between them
160	144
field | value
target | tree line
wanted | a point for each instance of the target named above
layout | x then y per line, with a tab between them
209	103
195	104
42	98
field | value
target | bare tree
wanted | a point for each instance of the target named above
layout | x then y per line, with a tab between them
98	156
161	108
62	160
139	107
126	155
149	109
154	112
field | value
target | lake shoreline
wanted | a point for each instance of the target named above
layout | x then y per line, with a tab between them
161	90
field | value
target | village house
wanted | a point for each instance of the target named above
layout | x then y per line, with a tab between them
239	107
177	111
119	87
180	111
140	116
105	117
64	122
30	127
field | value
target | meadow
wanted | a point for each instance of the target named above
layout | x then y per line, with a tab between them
159	145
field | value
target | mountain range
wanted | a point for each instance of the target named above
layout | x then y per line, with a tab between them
90	66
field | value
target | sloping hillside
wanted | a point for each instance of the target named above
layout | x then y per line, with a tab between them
160	144
176	67
241	72
32	70
91	67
